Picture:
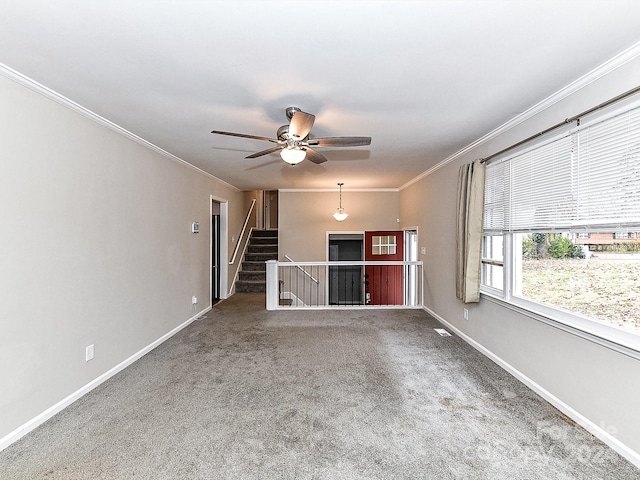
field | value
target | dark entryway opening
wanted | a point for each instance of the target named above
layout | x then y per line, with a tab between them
215	256
345	281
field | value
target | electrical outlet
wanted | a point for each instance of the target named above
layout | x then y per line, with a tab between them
423	250
88	353
465	314
194	300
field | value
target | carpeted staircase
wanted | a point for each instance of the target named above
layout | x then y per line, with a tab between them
263	246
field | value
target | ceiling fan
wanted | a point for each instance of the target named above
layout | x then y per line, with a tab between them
294	141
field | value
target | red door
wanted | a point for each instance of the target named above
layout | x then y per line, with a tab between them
384	284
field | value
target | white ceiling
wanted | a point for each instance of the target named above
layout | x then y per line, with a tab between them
424	79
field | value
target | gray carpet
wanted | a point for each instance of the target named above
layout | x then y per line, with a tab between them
249	394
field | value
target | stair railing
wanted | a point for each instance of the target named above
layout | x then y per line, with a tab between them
244	228
246	243
396	284
313	279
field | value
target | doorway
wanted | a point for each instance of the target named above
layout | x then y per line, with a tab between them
270	209
345	281
219	249
215	252
384	282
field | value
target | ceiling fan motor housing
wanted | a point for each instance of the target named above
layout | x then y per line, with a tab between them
283	132
290	111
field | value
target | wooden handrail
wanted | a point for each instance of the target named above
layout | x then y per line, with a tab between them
244	227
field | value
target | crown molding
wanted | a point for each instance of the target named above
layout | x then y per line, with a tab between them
32	85
597	73
321	190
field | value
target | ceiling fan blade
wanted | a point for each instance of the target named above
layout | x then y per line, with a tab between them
301	124
243	135
314	156
264	152
339	141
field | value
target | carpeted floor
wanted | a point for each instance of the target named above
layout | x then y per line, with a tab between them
250	394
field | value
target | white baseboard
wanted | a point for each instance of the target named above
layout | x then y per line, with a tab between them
596	430
35	422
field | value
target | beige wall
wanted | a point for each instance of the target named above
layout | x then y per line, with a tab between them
593	381
305	217
96	249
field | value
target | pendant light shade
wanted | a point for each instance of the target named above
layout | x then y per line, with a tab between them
340	215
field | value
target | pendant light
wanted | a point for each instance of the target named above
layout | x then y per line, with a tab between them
340	215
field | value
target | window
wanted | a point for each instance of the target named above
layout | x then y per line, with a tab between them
383	245
554	271
561	227
493	261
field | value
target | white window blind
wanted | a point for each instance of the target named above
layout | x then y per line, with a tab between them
588	179
609	172
495	197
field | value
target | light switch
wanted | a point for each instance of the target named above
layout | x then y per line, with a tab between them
88	353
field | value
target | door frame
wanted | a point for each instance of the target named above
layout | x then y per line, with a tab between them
342	233
410	290
224	247
328	234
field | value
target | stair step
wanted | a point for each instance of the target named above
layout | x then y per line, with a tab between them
250	286
253	266
262	249
260	257
253	275
265	233
263	246
263	240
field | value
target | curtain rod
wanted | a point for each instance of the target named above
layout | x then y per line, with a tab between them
575	118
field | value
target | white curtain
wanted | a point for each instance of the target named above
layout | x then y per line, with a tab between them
469	231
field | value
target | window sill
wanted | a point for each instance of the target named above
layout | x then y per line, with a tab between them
619	340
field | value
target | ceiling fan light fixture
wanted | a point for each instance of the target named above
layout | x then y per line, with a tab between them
294	140
293	156
340	215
